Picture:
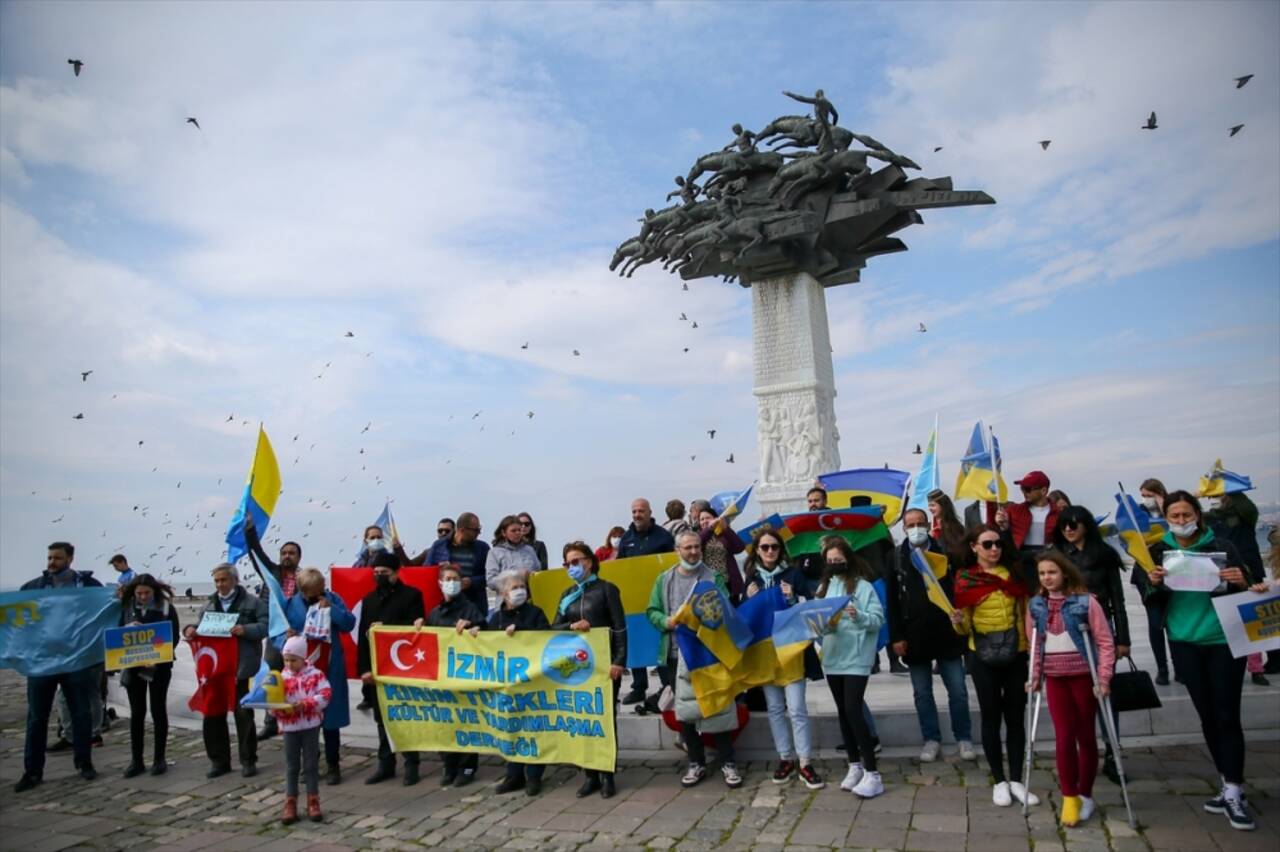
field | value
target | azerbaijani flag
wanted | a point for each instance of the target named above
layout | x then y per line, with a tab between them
860	527
1219	481
884	486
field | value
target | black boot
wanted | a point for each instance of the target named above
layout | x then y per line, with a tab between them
1109	768
607	788
382	773
333	776
135	768
410	774
590	785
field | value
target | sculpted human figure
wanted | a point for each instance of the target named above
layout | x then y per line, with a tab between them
825	113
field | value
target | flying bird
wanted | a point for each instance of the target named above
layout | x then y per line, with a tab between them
918	451
730	459
525	345
76	65
79	416
230	417
711	433
1236	129
1044	144
295	439
530	415
936	150
193	121
139	443
477	414
1151	122
695	323
366	427
1240	81
684	286
686	350
576	352
57	519
683	317
349	334
922	329
693	458
85	374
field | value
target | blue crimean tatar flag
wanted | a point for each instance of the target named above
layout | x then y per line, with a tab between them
52	631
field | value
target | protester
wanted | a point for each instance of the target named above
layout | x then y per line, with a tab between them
286	574
445	528
675	522
468	554
1059	499
312	593
720	548
531	538
1151	494
121	566
250	629
670	591
1030	523
1213	677
79	686
612	541
921	634
516	612
990	601
643	538
391	603
1077	537
816	498
592	602
848	650
308	693
510	552
146	600
460	612
374	543
947	530
765	568
1060	607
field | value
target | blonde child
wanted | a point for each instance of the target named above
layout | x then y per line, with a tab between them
308	692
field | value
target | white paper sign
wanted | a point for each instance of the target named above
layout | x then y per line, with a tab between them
1250	620
1186	571
217	623
317	623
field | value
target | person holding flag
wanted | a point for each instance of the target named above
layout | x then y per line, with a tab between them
1031	523
249	630
146	600
308	694
720	544
327	655
285	575
921	634
1151	495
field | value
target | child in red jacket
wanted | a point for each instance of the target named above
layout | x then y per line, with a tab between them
307	692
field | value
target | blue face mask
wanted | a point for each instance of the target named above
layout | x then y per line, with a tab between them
577	573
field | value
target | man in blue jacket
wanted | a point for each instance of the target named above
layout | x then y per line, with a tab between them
465	550
642	538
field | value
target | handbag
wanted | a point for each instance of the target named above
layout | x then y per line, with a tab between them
1133	690
998	648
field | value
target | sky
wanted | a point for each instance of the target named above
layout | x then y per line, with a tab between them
448	182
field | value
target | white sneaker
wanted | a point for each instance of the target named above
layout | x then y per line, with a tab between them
966	751
852	777
1020	792
870	786
1087	807
929	753
1000	795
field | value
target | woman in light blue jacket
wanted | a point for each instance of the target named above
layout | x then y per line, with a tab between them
848	652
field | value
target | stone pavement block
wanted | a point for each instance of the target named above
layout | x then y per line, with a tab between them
1161	837
876	838
935	841
982	842
42	841
882	820
821	828
958	824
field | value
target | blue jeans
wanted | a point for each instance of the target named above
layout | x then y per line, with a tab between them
952	672
78	686
784	701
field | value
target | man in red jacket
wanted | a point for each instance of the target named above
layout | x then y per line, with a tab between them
1030	523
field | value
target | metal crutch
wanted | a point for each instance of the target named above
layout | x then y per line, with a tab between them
1032	721
1108	724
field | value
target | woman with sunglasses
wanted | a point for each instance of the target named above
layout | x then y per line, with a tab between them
1077	537
592	602
531	538
1213	677
766	568
991	603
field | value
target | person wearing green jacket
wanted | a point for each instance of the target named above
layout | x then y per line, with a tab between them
670	591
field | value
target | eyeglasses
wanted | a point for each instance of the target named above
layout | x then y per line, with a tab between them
1070	525
574	563
990	544
770	547
443	531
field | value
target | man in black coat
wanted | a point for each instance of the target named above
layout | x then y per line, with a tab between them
391	603
920	633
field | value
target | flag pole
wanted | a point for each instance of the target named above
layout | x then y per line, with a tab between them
995	475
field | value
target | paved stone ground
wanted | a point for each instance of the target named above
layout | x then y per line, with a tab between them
941	806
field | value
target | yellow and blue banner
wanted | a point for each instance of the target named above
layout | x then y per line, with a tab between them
796	628
932	568
714	621
1136	530
774	523
261	491
266	691
737	501
883	486
1219	482
138	645
929	478
536	697
634	578
1250	620
52	631
979	477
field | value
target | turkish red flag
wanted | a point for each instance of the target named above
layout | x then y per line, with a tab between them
352	584
216	659
318	653
406	654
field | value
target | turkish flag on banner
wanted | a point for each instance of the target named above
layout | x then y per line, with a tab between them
406	654
318	654
216	659
352	584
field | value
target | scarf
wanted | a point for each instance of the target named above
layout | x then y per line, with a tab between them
973	585
575	593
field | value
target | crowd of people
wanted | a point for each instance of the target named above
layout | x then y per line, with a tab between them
1037	603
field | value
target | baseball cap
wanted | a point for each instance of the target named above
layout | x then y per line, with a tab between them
1034	479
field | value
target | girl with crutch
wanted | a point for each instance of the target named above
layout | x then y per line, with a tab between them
1063	617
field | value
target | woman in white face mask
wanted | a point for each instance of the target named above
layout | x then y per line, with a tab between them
1213	677
516	612
609	550
1151	496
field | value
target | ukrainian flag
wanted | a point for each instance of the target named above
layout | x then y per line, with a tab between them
932	567
773	523
928	479
714	621
1219	481
980	477
1136	530
885	486
796	628
260	494
735	508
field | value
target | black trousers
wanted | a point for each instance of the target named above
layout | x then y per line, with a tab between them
332	746
698	752
1002	695
386	757
848	692
217	736
154	693
1155	634
1214	679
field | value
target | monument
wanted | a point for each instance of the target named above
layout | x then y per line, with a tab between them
803	213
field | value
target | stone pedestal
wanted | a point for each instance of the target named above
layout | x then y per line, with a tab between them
794	388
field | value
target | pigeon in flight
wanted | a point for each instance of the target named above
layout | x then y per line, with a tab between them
477	414
1151	122
85	374
530	415
936	150
686	350
684	286
79	416
193	121
711	433
918	451
57	519
695	323
76	65
366	427
577	353
230	418
349	334
1044	144
730	459
295	439
1240	81
139	443
1235	130
526	345
922	329
683	318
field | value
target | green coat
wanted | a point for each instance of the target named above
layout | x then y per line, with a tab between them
657	610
